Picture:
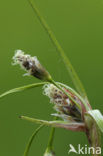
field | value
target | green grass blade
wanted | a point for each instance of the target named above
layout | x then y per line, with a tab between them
31	140
22	88
73	74
75	126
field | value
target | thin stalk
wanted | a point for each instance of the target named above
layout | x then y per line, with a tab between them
72	72
51	137
49	147
31	140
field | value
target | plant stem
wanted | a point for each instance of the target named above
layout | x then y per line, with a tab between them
51	137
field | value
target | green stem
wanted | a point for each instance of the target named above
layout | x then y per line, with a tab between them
51	137
73	74
31	140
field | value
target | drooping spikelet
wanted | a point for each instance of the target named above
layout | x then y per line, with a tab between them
31	65
62	104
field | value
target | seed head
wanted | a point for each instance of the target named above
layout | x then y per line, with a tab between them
62	104
31	65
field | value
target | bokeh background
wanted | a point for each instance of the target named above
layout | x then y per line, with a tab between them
78	25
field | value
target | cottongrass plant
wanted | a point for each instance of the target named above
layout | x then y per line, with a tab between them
73	109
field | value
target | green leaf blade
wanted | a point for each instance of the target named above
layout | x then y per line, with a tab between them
19	89
74	126
31	140
76	81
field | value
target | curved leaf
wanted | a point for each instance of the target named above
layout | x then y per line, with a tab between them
72	72
31	140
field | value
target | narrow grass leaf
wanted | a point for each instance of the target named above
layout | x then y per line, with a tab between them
72	72
19	89
74	126
31	140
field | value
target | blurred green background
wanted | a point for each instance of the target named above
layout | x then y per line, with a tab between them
78	25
